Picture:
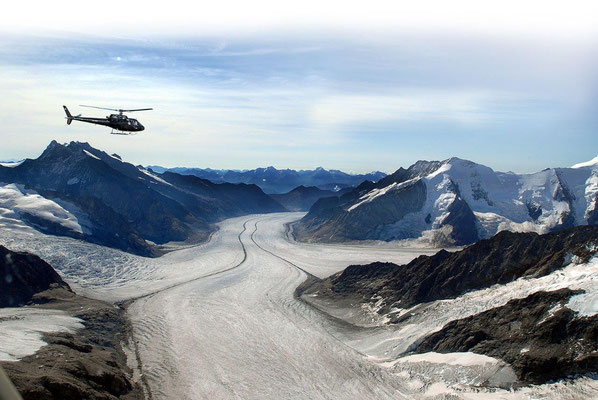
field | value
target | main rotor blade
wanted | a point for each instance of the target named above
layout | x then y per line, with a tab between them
101	108
137	109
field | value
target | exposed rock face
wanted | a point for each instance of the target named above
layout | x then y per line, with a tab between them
124	205
87	365
593	213
499	260
218	201
22	275
302	198
538	336
328	219
462	221
462	202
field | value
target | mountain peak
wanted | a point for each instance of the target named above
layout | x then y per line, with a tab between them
80	145
54	149
591	163
457	160
72	145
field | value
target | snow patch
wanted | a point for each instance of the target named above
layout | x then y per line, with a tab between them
21	329
375	193
586	304
154	177
464	359
11	164
590	163
91	155
492	223
14	199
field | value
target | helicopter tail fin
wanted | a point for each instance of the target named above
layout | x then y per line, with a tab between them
69	117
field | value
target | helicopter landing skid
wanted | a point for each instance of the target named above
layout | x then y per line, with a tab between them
122	133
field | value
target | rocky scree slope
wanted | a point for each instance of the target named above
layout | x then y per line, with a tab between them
550	334
499	260
538	336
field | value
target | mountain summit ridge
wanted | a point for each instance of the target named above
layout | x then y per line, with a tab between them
455	201
115	203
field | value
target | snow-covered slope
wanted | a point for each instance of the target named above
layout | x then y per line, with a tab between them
591	163
18	205
458	192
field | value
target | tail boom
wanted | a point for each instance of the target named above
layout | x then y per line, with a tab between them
69	117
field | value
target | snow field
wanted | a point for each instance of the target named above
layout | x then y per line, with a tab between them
21	329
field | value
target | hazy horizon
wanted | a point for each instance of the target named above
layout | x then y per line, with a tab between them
512	87
388	172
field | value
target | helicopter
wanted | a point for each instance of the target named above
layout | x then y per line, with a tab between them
120	123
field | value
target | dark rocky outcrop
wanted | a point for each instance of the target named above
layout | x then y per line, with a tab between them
534	210
501	259
593	215
22	275
329	219
462	222
538	336
89	364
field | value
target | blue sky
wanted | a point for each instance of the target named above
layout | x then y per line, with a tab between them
373	99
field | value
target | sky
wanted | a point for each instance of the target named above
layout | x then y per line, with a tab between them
344	85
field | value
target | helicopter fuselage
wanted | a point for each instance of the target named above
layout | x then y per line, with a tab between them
114	121
120	123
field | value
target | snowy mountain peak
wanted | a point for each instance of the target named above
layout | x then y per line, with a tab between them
591	163
475	200
462	163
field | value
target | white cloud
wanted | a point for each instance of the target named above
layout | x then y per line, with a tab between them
455	105
138	17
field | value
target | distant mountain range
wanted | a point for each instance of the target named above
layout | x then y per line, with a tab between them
455	202
279	181
76	190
